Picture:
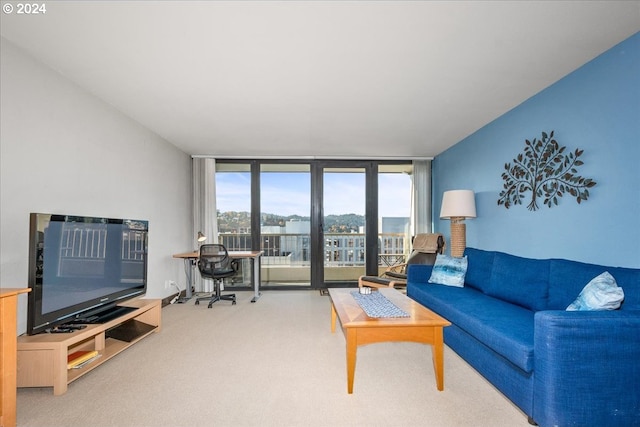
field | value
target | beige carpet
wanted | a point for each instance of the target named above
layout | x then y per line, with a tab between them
271	363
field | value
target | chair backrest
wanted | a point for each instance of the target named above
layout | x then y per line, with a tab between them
214	261
429	243
426	246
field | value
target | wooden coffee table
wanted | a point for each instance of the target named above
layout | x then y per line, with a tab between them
423	326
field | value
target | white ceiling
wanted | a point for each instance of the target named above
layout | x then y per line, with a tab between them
318	78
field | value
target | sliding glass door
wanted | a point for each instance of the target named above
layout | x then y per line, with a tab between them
285	225
233	202
319	223
344	237
394	211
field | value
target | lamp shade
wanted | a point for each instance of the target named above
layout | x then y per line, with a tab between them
458	204
201	237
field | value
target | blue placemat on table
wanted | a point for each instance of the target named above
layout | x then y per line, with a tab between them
377	305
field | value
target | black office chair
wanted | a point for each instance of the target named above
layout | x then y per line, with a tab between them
214	263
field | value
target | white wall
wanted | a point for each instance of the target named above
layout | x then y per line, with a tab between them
65	151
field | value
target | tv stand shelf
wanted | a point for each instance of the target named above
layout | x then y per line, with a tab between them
42	358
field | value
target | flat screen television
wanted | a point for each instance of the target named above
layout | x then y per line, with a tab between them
81	267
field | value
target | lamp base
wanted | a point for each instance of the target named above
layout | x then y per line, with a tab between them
458	238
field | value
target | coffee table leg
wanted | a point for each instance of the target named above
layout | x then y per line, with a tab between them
333	318
352	346
438	357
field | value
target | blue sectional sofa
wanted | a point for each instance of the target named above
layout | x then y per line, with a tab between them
562	368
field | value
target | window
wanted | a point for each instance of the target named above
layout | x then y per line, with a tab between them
317	222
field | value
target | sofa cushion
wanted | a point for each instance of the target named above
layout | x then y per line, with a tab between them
505	328
479	266
449	270
521	281
419	273
567	278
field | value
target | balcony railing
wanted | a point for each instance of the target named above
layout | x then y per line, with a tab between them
287	257
340	249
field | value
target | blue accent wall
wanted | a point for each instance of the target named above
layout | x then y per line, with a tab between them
596	108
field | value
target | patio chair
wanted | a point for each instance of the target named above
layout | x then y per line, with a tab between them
425	248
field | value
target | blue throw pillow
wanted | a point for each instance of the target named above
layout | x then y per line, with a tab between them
449	270
601	293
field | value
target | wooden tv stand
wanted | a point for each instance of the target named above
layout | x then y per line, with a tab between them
42	358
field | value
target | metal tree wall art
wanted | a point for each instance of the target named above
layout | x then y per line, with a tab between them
545	169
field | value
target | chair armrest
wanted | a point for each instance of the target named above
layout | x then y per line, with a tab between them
397	268
586	368
377	282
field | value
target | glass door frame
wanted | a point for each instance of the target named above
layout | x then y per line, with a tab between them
317	240
317	219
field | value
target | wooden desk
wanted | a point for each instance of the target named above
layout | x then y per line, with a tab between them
8	353
191	257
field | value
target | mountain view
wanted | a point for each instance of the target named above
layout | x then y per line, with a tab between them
233	222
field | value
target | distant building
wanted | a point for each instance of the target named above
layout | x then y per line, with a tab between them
393	230
394	224
271	229
290	244
297	227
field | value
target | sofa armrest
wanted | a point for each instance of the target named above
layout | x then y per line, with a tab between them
419	273
587	368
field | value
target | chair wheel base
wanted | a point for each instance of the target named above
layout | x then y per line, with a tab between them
216	298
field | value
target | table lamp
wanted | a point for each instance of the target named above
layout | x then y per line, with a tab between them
456	206
201	238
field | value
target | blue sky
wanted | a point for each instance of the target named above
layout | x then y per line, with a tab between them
285	193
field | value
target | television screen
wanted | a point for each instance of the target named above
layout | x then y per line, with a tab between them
79	264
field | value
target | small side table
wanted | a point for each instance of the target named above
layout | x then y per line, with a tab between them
8	354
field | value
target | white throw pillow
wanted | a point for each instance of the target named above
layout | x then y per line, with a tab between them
601	293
